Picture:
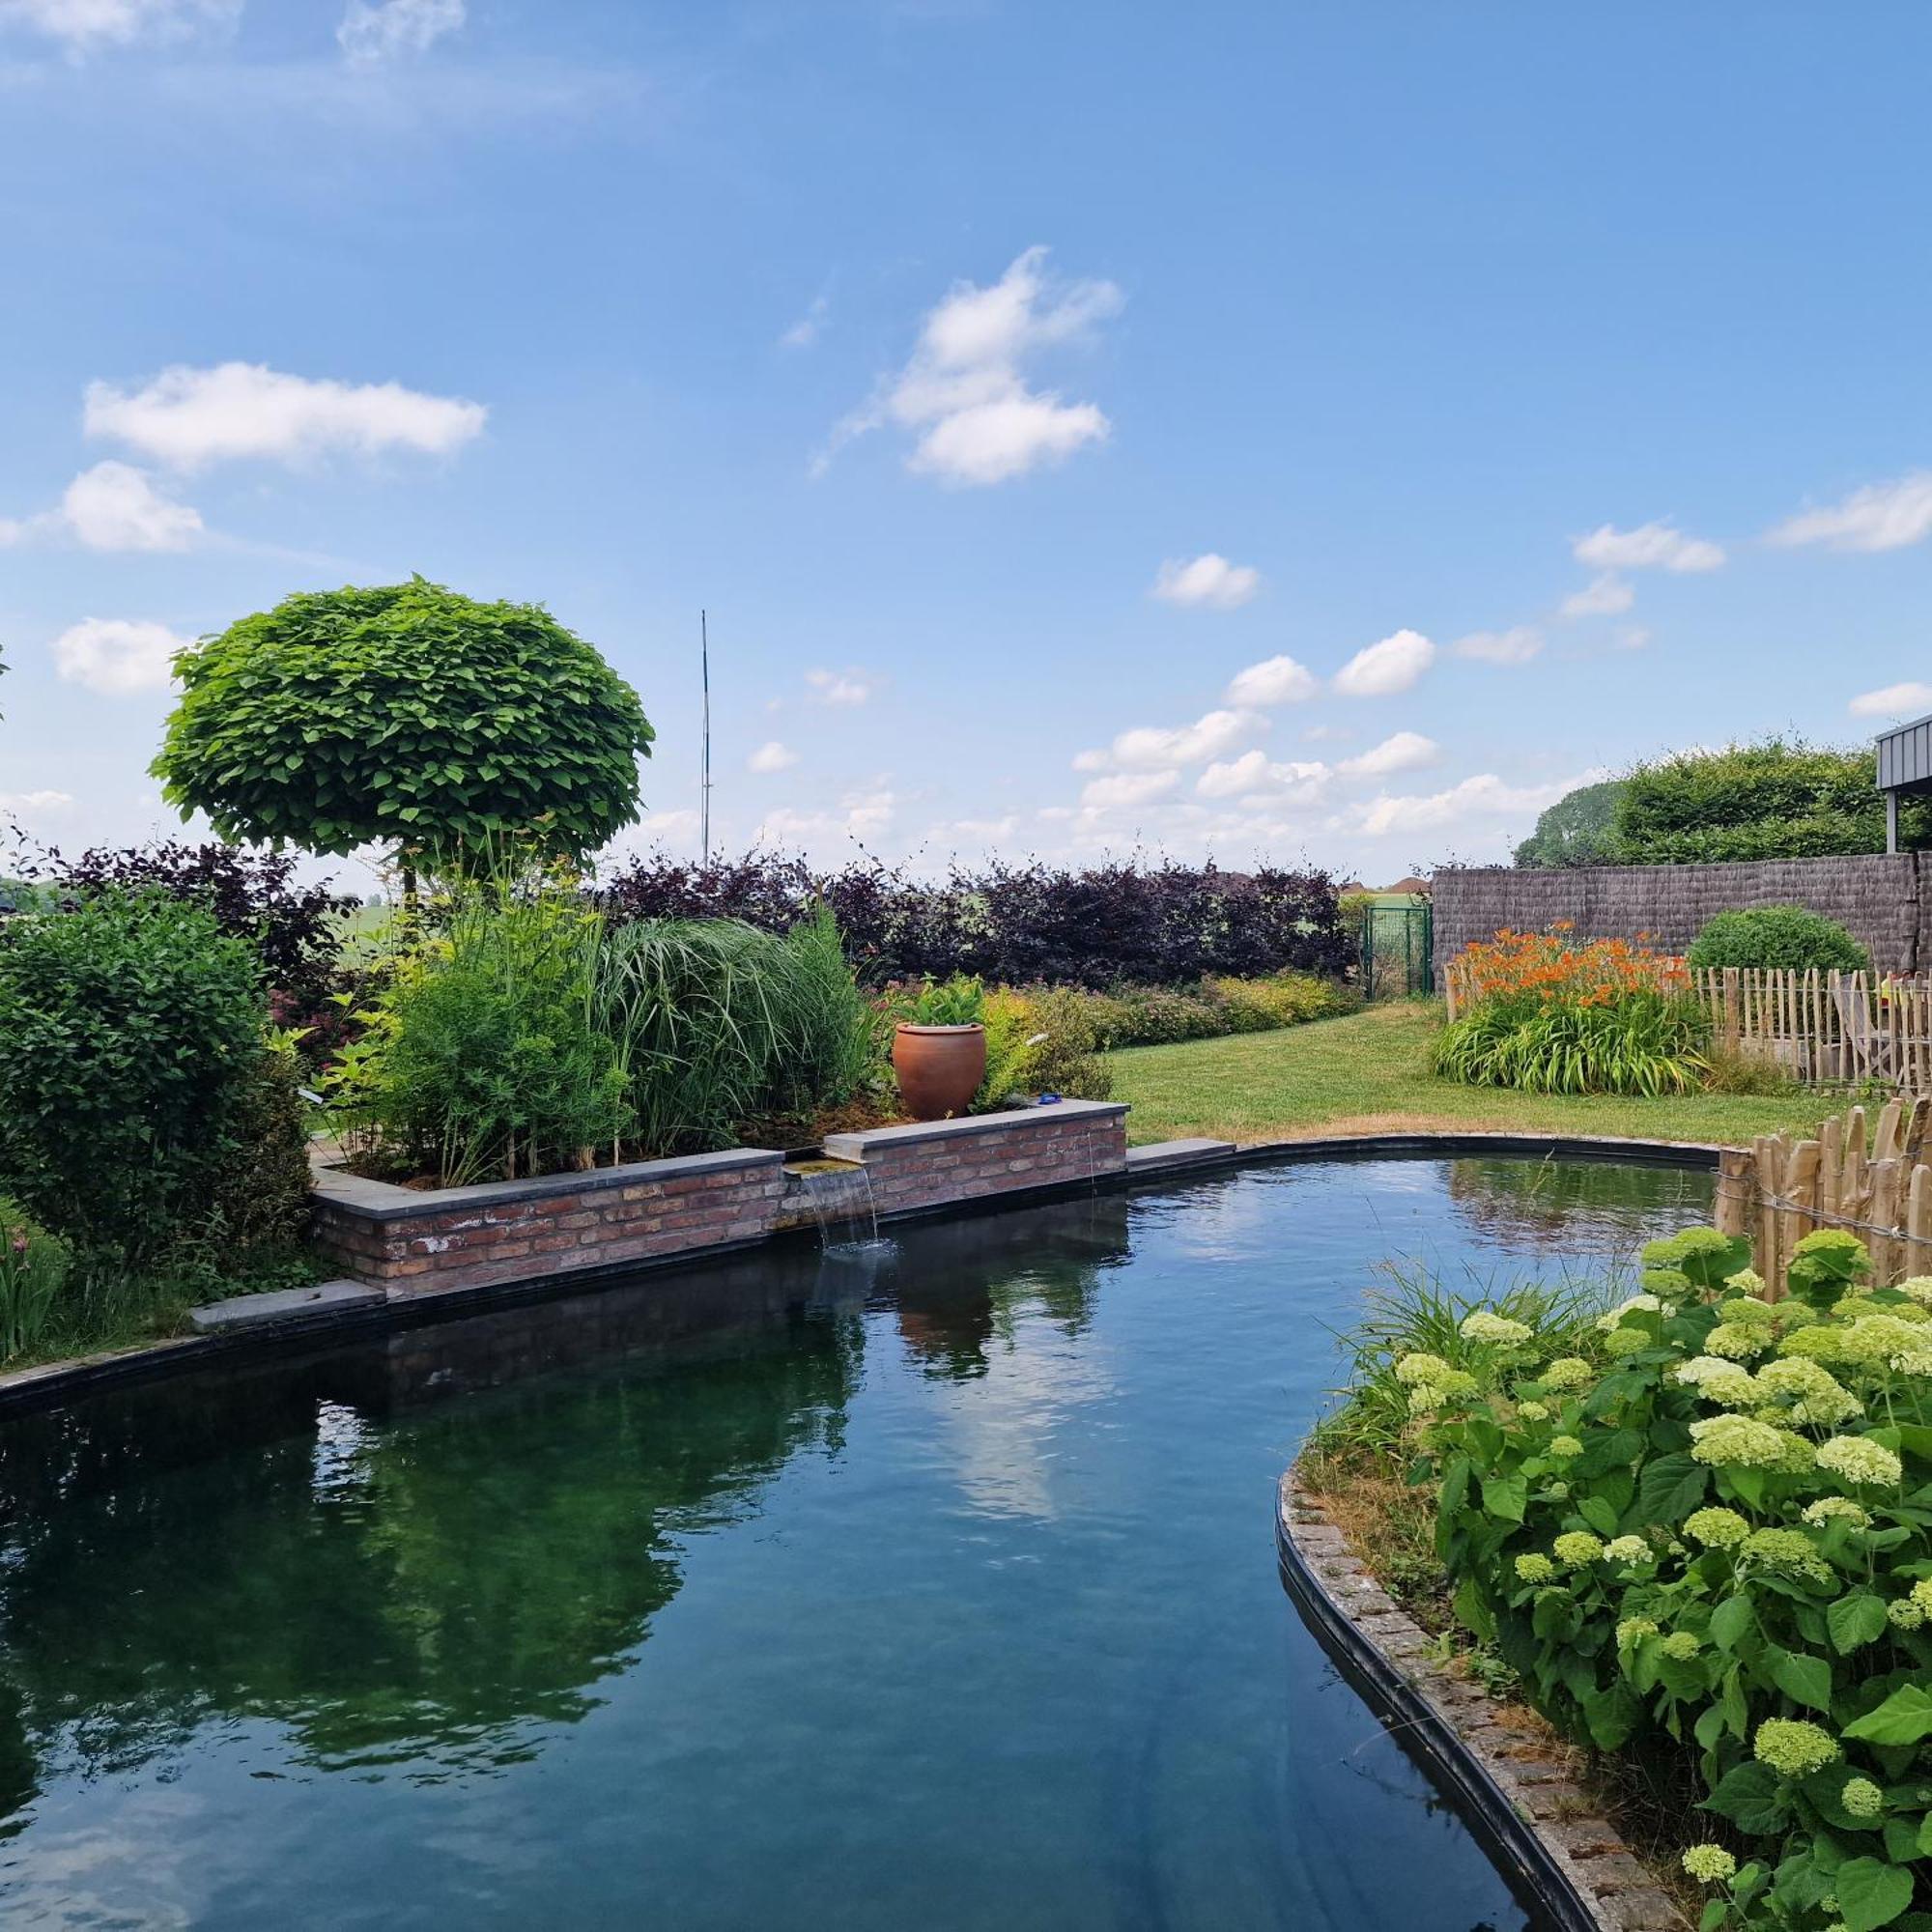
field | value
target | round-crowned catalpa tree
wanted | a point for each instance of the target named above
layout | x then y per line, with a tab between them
407	716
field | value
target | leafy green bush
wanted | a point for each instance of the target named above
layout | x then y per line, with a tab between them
1160	1016
1068	1059
1288	999
1786	937
1706	1526
259	1210
1040	1039
1767	801
405	715
481	1055
33	1266
130	1036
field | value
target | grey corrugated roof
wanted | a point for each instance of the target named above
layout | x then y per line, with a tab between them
1905	755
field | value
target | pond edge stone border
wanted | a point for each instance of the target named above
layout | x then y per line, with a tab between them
1543	1830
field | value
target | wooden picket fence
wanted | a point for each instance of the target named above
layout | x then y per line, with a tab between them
1777	1190
1827	1028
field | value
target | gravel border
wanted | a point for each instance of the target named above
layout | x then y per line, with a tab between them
1544	1832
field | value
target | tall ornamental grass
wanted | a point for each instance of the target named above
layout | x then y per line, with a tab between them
715	1022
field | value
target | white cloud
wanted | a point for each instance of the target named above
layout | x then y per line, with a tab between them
84	24
964	392
115	506
1881	516
1602	597
1514	647
369	32
1632	638
111	507
1386	669
190	417
1277	680
1892	700
1404	751
1166	748
808	328
1648	547
1127	788
770	756
841	687
865	813
34	800
117	658
1253	775
1484	796
1209	579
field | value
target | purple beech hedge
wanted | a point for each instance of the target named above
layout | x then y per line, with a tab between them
1132	921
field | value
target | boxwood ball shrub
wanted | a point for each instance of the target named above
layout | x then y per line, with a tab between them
1786	937
132	1037
1702	1526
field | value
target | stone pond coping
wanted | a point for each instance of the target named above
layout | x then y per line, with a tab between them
1543	1831
351	1308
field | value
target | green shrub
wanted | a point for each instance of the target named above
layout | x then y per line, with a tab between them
1040	1039
33	1266
1160	1016
1786	937
261	1207
1704	1528
131	1035
1767	801
481	1056
1639	1042
1068	1061
1288	999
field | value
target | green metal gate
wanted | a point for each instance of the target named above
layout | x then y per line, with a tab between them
1396	945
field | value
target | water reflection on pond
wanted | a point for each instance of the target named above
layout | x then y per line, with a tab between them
930	1586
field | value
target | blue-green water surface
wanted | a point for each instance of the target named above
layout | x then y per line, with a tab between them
930	1588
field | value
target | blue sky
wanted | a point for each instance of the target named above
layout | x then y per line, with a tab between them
1297	431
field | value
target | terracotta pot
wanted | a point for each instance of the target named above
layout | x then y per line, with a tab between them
940	1068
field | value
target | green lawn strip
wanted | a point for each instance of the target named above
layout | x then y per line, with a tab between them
1368	1072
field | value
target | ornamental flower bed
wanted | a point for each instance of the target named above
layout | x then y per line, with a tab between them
1546	1016
1707	1530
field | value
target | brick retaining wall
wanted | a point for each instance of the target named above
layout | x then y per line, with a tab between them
1885	901
413	1242
932	1162
399	1237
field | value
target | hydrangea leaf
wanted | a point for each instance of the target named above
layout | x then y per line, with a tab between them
1752	1796
1871	1892
1854	1620
1903	1718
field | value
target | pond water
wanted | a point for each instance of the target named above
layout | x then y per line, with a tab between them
935	1587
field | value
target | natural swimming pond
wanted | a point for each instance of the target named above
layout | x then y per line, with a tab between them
931	1588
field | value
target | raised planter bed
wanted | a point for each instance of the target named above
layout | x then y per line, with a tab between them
410	1240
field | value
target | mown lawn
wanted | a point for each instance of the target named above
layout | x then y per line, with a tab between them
1369	1073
